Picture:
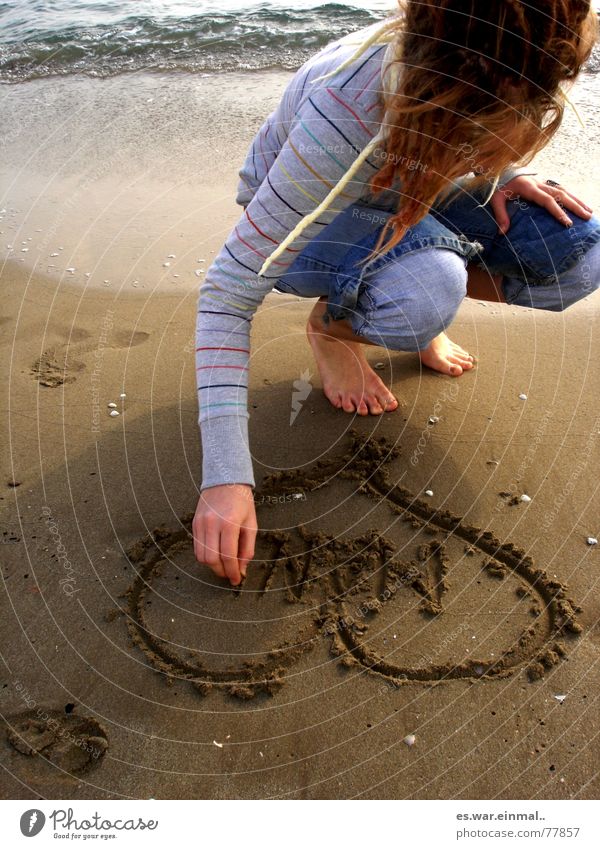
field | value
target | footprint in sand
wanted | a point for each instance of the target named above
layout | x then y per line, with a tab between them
63	362
410	594
75	744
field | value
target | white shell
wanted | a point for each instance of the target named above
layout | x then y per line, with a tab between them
525	498
560	698
429	492
410	740
171	256
198	272
54	254
122	395
433	419
114	413
592	541
166	264
523	397
111	405
220	745
70	270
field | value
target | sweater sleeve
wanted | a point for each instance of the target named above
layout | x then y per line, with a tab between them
327	133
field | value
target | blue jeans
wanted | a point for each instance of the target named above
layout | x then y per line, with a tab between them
406	297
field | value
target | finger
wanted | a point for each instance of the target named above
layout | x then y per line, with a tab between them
210	552
229	550
571	195
498	204
246	546
564	198
543	198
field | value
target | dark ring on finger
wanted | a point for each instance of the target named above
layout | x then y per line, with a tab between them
553	183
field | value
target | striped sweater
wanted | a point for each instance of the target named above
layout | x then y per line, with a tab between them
302	150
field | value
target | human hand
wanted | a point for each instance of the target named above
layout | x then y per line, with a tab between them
224	529
552	197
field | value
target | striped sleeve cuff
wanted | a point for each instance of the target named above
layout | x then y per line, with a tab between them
225	451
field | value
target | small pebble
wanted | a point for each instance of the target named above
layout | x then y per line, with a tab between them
429	492
114	413
410	740
70	270
112	405
171	256
54	254
166	264
592	541
525	498
24	250
523	397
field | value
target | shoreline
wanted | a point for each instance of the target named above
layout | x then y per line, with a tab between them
246	695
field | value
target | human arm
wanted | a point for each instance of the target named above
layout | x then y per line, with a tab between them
328	132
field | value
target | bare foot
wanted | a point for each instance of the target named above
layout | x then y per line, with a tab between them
442	354
348	380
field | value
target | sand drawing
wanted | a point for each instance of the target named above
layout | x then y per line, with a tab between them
62	363
407	594
75	744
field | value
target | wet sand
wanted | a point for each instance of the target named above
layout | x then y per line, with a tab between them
373	610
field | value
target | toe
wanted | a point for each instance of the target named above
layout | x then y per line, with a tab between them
375	406
362	408
348	406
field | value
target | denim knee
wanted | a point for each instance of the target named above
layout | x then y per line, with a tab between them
572	285
410	300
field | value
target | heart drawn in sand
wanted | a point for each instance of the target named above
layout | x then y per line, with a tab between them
406	592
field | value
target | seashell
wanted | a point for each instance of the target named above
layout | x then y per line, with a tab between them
523	397
70	270
410	740
114	413
379	366
171	256
429	492
54	254
592	541
24	250
220	745
525	498
88	273
122	395
198	272
433	419
166	264
560	698
112	405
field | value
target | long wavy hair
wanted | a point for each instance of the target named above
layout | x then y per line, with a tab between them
480	89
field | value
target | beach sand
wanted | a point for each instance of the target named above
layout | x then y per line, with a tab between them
372	610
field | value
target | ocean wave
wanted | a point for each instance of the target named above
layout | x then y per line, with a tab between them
101	39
